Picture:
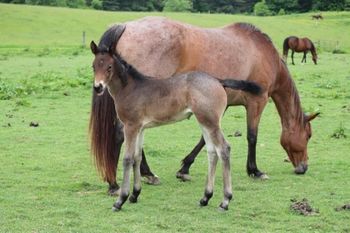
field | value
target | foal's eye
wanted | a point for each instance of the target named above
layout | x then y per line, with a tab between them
109	68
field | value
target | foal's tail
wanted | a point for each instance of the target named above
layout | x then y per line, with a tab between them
243	85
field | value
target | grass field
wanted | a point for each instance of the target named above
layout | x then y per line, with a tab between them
47	177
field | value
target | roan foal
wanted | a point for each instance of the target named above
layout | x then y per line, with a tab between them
142	102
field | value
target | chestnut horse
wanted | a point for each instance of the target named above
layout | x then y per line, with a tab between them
143	102
299	45
160	48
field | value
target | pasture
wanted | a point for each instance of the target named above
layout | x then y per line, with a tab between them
47	177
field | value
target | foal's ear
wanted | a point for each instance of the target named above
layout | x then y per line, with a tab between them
312	116
111	49
93	47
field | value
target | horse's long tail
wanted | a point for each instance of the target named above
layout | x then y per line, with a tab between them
103	124
243	85
285	48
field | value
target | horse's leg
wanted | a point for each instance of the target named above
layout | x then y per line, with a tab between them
184	172
131	135
136	167
147	173
304	58
254	111
293	57
114	188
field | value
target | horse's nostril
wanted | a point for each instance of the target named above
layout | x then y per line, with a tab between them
98	88
301	169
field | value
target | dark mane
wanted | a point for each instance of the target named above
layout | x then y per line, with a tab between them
253	29
110	37
132	71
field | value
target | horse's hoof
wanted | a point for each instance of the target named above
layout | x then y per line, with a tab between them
153	180
203	202
114	192
183	177
263	177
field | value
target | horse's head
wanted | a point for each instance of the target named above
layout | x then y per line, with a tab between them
106	66
314	58
295	143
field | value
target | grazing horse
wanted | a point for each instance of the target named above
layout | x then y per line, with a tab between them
299	45
161	47
143	102
317	17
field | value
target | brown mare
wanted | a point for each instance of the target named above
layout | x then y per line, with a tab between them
143	102
299	45
160	48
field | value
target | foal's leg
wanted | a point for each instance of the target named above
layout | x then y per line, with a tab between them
136	166
212	161
184	172
254	111
131	135
217	145
293	57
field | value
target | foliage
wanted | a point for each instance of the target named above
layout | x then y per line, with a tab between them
218	6
177	5
261	9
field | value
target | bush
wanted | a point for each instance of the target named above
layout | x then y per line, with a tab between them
261	9
178	5
281	12
96	4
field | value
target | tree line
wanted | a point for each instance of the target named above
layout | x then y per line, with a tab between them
257	7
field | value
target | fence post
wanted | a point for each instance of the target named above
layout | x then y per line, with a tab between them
84	34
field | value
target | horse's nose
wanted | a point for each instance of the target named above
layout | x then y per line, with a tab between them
301	169
98	88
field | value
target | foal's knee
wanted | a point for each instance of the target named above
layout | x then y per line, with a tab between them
226	149
128	162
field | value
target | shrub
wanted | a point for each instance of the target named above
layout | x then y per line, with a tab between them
96	4
178	5
261	9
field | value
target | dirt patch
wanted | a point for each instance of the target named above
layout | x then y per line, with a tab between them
303	207
343	207
34	124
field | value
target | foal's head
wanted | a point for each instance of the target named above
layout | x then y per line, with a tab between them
295	143
107	67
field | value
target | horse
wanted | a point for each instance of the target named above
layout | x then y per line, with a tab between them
143	102
317	17
299	45
160	47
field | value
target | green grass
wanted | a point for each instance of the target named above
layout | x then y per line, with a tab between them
47	177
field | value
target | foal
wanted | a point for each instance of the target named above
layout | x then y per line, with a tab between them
142	102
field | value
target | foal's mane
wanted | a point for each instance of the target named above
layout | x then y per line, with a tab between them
130	70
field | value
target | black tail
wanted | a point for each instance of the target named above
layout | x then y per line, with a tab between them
285	48
247	86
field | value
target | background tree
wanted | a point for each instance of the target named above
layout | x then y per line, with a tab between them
178	5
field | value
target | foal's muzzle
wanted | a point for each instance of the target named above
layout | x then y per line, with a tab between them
99	88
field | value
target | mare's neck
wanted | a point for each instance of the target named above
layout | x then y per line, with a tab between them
287	101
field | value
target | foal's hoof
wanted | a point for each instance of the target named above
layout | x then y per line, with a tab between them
223	207
263	177
153	180
116	207
183	177
132	199
203	202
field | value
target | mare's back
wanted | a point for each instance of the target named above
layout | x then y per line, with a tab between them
160	47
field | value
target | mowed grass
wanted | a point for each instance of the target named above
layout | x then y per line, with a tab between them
47	176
